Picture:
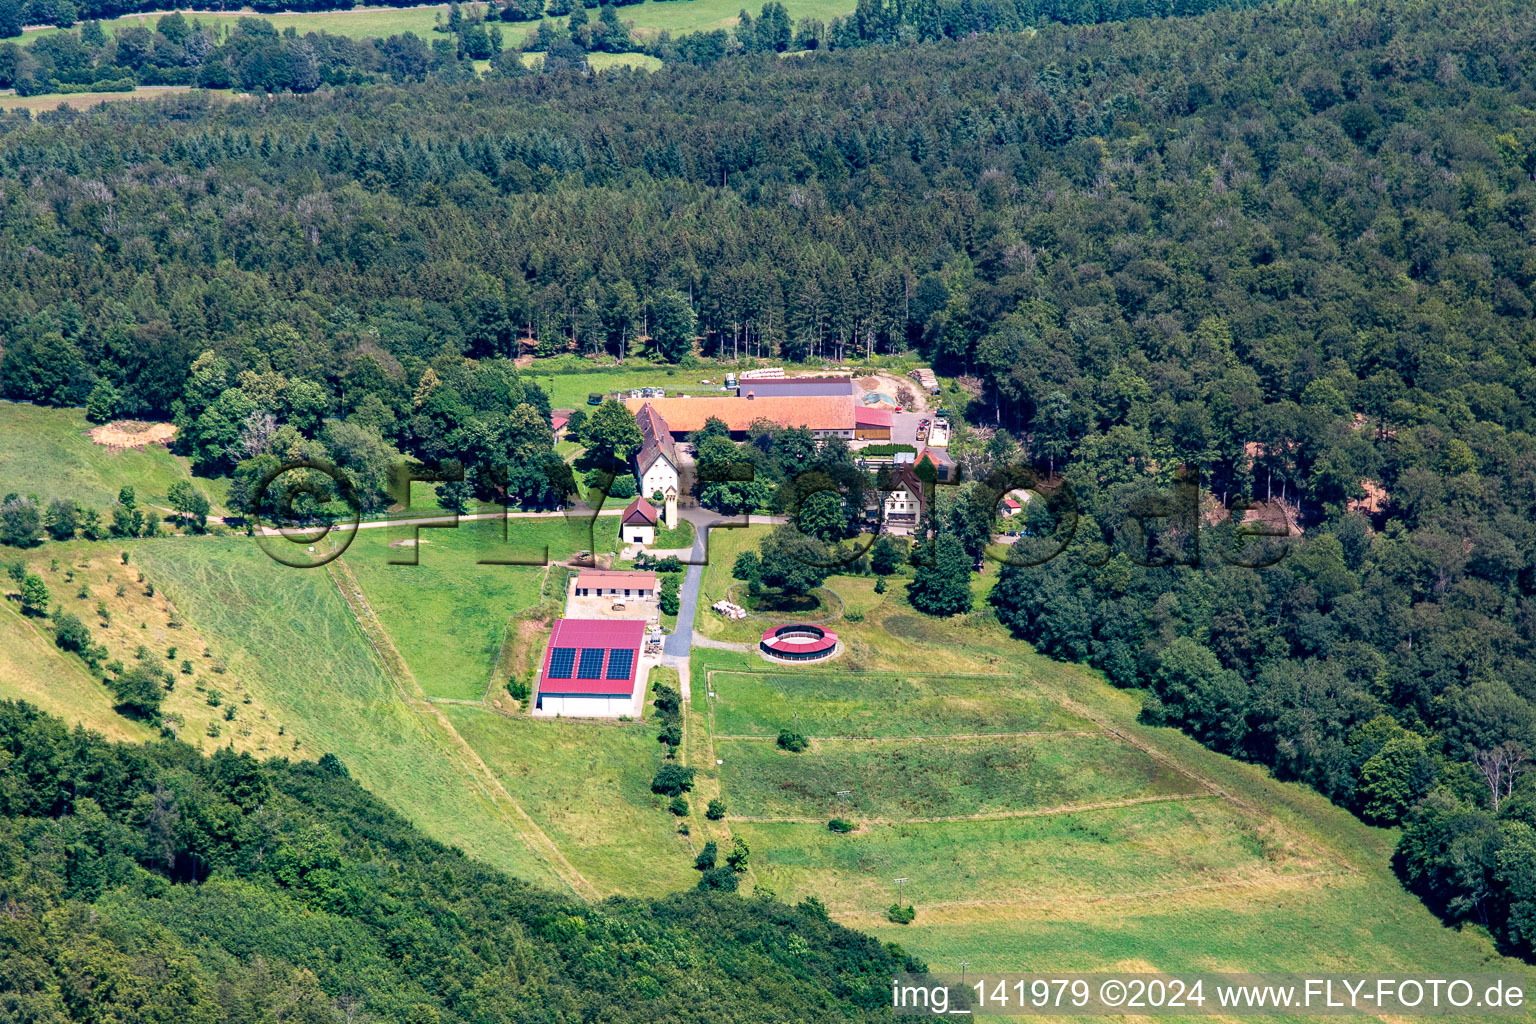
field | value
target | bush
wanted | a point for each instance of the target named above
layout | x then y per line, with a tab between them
792	741
898	914
720	879
672	779
706	858
678	806
716	810
841	825
138	692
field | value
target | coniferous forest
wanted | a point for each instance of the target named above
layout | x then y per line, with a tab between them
1289	245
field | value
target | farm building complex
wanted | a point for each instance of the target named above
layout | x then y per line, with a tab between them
592	668
823	415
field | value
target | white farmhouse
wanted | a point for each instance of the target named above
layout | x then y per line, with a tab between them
656	462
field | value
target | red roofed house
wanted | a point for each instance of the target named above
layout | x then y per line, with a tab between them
592	669
616	583
1011	506
559	419
872	424
638	523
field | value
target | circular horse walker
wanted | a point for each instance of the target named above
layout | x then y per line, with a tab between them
799	642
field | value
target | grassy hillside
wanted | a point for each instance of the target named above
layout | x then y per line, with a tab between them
1115	846
46	452
588	785
288	633
33	669
209	705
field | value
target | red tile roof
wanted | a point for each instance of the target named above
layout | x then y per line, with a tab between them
606	635
819	412
616	578
655	439
640	511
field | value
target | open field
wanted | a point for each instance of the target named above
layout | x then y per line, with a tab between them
587	784
1333	923
870	705
938	777
649	19
81	100
448	614
289	635
1086	854
570	390
46	452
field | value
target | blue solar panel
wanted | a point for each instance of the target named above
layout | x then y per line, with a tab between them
591	663
561	661
619	661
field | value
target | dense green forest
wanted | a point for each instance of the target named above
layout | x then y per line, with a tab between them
1289	246
150	883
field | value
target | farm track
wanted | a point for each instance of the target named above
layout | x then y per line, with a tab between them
469	760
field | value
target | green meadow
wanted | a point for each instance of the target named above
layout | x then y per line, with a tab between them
587	784
821	703
290	636
1084	854
47	452
938	777
33	669
448	614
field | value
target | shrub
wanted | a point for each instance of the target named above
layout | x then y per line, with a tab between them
842	825
720	879
740	852
678	806
34	595
792	741
138	692
716	810
898	914
672	779
706	858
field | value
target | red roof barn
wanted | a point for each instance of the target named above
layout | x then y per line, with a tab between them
591	667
